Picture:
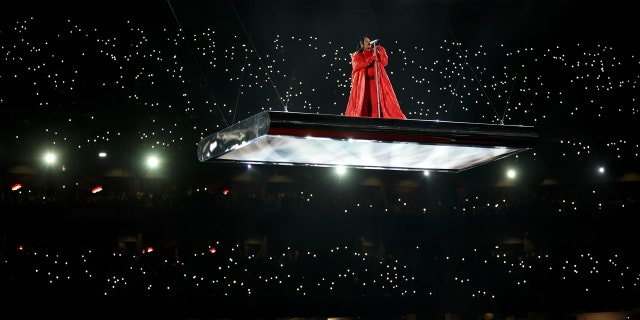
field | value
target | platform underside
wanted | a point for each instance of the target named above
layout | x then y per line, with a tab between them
303	139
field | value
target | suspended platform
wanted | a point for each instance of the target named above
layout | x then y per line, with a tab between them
306	139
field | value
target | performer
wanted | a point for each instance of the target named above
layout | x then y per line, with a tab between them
363	99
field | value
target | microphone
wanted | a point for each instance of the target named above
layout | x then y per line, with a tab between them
374	41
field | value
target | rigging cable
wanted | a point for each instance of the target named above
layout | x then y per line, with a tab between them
197	64
484	92
235	108
475	76
453	96
257	54
506	107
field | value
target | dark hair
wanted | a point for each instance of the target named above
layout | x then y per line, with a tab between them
360	46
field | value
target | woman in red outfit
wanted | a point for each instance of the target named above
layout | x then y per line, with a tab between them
363	99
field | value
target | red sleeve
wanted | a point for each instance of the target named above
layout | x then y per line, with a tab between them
382	56
360	61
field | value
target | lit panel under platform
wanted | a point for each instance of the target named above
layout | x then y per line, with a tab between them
306	139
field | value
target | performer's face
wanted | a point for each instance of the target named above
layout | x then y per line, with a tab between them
366	43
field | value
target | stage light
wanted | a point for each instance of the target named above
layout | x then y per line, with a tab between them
16	187
153	162
50	158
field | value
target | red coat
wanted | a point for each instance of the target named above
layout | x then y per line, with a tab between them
363	98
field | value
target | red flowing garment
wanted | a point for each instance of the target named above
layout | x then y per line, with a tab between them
363	99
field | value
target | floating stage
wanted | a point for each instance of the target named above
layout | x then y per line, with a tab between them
322	140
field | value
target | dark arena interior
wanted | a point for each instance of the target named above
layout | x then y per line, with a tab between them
191	160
